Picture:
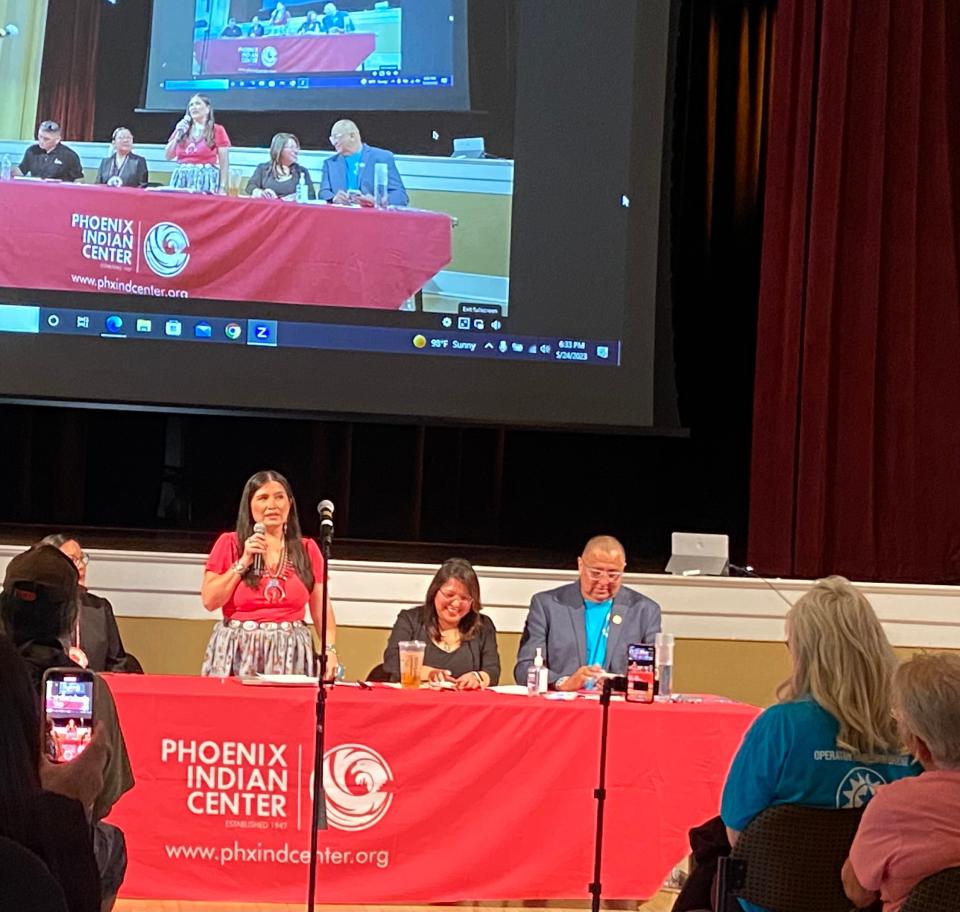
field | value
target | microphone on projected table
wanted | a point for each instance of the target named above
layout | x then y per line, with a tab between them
259	529
9	31
325	509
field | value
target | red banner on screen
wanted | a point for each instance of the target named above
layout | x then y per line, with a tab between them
431	797
284	54
82	238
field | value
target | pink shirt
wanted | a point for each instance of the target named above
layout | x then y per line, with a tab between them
193	152
910	829
258	604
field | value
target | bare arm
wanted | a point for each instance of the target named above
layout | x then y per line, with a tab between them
216	589
856	892
732	836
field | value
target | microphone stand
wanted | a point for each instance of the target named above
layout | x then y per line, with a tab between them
600	793
319	818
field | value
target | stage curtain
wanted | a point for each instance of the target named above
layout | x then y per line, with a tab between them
720	121
856	440
20	66
69	76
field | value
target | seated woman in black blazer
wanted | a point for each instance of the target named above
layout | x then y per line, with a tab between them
461	642
279	177
123	167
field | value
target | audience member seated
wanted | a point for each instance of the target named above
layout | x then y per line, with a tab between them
123	167
49	158
584	628
461	643
831	740
38	609
310	25
334	21
52	826
911	829
280	177
95	641
348	176
232	30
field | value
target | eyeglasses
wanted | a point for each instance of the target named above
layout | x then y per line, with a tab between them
595	574
81	560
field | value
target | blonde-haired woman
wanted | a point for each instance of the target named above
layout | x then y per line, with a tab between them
830	741
280	177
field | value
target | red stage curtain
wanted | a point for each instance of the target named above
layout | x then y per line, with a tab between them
68	76
856	439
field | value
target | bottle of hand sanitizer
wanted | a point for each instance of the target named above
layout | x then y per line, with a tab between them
303	195
537	676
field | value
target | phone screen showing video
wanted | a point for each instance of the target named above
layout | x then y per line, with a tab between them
68	703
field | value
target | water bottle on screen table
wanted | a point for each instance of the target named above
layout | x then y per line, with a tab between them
380	182
6	168
664	652
303	194
537	676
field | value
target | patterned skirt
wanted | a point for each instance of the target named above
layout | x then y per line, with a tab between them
247	648
199	178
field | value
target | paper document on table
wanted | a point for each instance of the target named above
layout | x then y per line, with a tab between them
509	689
291	680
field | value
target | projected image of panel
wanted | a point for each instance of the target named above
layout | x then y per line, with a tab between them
279	42
356	54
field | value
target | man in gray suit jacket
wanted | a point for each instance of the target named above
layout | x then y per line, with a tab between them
584	628
352	169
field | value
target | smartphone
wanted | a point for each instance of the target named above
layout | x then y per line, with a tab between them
641	662
67	712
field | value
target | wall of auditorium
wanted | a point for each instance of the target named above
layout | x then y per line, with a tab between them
730	630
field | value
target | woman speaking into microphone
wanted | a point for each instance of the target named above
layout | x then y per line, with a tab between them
201	149
264	575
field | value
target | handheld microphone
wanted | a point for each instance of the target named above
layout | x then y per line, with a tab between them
9	31
259	529
749	571
325	509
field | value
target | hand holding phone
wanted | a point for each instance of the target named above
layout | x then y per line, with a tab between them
68	712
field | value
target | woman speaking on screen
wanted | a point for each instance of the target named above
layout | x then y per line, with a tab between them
264	575
201	148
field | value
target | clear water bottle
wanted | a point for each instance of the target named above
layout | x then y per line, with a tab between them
302	193
381	198
537	676
664	652
6	168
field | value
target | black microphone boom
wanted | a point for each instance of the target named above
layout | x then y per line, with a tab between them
259	529
749	571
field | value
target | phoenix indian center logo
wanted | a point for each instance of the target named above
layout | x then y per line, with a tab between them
358	785
165	249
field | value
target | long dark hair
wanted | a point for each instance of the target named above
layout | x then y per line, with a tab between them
19	750
209	128
296	553
462	570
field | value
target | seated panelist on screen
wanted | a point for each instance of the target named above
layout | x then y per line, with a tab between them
265	580
461	643
310	25
280	177
256	28
49	158
123	167
584	628
201	148
348	176
334	21
232	30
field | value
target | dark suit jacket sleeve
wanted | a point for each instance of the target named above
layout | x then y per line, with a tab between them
103	170
396	192
404	628
143	172
652	620
326	187
256	179
489	654
534	635
115	651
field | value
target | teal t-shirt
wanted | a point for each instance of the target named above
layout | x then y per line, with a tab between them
596	619
353	170
790	756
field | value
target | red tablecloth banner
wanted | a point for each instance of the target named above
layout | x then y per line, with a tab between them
83	238
432	797
285	54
